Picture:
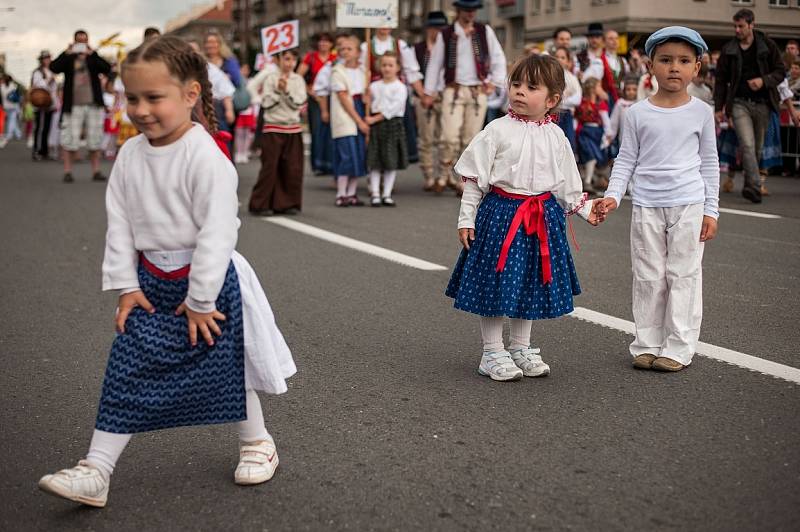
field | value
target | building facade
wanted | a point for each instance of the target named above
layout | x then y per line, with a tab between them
533	21
195	23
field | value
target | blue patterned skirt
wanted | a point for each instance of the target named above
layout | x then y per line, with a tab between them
728	146
155	379
589	140
517	291
350	153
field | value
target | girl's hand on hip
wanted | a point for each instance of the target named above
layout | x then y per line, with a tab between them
465	236
128	302
709	230
205	322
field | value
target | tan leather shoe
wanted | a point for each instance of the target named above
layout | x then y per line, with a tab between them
667	364
644	361
727	185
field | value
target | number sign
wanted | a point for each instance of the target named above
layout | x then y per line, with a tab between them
280	37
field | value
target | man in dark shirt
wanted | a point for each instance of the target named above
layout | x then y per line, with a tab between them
748	73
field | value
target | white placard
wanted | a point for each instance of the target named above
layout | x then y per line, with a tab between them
281	36
366	13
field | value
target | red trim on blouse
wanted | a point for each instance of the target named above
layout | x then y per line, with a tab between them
174	275
546	120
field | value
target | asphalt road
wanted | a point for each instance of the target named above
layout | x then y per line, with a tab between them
387	425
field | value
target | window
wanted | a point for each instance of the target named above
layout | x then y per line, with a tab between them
778	3
536	7
742	2
598	2
551	6
566	5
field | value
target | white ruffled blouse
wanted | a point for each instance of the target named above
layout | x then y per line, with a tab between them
521	157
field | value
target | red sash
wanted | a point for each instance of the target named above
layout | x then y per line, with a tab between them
530	214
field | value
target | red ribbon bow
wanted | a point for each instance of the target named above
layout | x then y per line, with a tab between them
530	214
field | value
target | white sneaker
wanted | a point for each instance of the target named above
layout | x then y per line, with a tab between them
83	483
529	361
499	366
257	462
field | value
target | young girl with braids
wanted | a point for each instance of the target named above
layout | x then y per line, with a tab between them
196	335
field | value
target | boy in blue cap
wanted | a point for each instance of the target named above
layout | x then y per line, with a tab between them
669	154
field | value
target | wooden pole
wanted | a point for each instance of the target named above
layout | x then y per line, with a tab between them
368	74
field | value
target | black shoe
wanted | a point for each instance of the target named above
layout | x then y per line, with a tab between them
38	157
752	194
262	212
291	211
68	178
375	201
98	177
388	202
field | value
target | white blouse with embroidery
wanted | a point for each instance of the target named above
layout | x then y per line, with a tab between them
389	99
521	157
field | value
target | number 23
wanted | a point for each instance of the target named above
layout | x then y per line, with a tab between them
287	30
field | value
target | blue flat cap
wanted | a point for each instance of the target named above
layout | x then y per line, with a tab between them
676	32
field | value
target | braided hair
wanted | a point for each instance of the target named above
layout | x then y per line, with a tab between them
184	64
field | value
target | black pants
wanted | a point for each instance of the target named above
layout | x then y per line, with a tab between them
41	131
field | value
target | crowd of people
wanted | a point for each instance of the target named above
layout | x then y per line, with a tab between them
374	107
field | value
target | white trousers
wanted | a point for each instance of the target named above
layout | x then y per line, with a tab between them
666	257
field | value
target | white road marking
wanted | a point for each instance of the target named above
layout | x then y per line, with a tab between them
750	213
352	243
736	358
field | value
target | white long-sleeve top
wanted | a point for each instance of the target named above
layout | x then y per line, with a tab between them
617	120
466	73
388	99
322	83
172	198
573	93
670	154
42	78
255	85
522	158
221	86
408	58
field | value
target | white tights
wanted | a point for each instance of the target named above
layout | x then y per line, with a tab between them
492	334
106	447
346	186
389	177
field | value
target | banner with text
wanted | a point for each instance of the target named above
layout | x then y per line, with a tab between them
366	13
281	36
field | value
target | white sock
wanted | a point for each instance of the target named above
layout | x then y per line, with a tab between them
375	183
389	178
492	334
105	449
341	186
352	186
252	429
589	171
520	334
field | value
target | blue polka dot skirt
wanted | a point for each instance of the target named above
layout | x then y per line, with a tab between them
517	291
155	379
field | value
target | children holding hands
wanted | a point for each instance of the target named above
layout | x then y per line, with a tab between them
669	154
521	182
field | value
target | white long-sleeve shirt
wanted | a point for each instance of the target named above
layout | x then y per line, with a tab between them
522	158
573	93
617	120
408	57
42	78
466	72
388	99
670	154
171	198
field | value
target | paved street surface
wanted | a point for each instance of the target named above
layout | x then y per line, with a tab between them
387	425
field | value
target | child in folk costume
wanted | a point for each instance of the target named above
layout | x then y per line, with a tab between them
521	181
593	121
613	135
279	189
172	229
245	128
387	151
110	122
669	152
348	127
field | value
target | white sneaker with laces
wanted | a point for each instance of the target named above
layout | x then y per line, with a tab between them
530	362
257	462
83	483
499	366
